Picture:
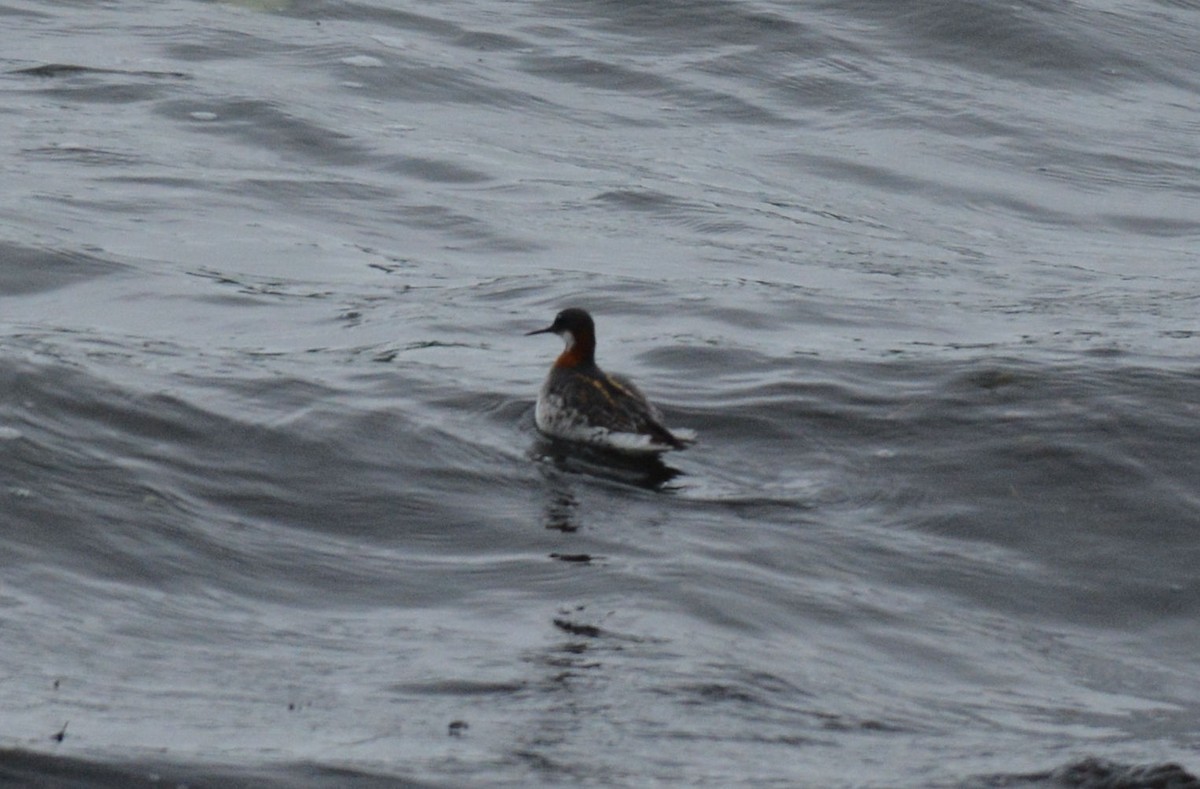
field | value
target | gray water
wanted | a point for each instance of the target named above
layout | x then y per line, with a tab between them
922	275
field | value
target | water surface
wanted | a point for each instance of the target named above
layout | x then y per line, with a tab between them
921	274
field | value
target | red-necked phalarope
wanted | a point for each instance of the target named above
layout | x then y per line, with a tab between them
581	402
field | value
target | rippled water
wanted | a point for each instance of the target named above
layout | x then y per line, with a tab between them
922	275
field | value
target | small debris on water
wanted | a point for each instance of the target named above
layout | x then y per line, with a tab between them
589	631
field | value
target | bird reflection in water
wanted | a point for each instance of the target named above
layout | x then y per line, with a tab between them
643	471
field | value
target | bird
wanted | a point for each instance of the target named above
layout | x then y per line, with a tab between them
582	403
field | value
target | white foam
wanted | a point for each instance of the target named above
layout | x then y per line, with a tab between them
363	61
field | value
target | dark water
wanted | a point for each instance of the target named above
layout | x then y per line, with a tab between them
922	275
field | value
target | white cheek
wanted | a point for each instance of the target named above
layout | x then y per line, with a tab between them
568	338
